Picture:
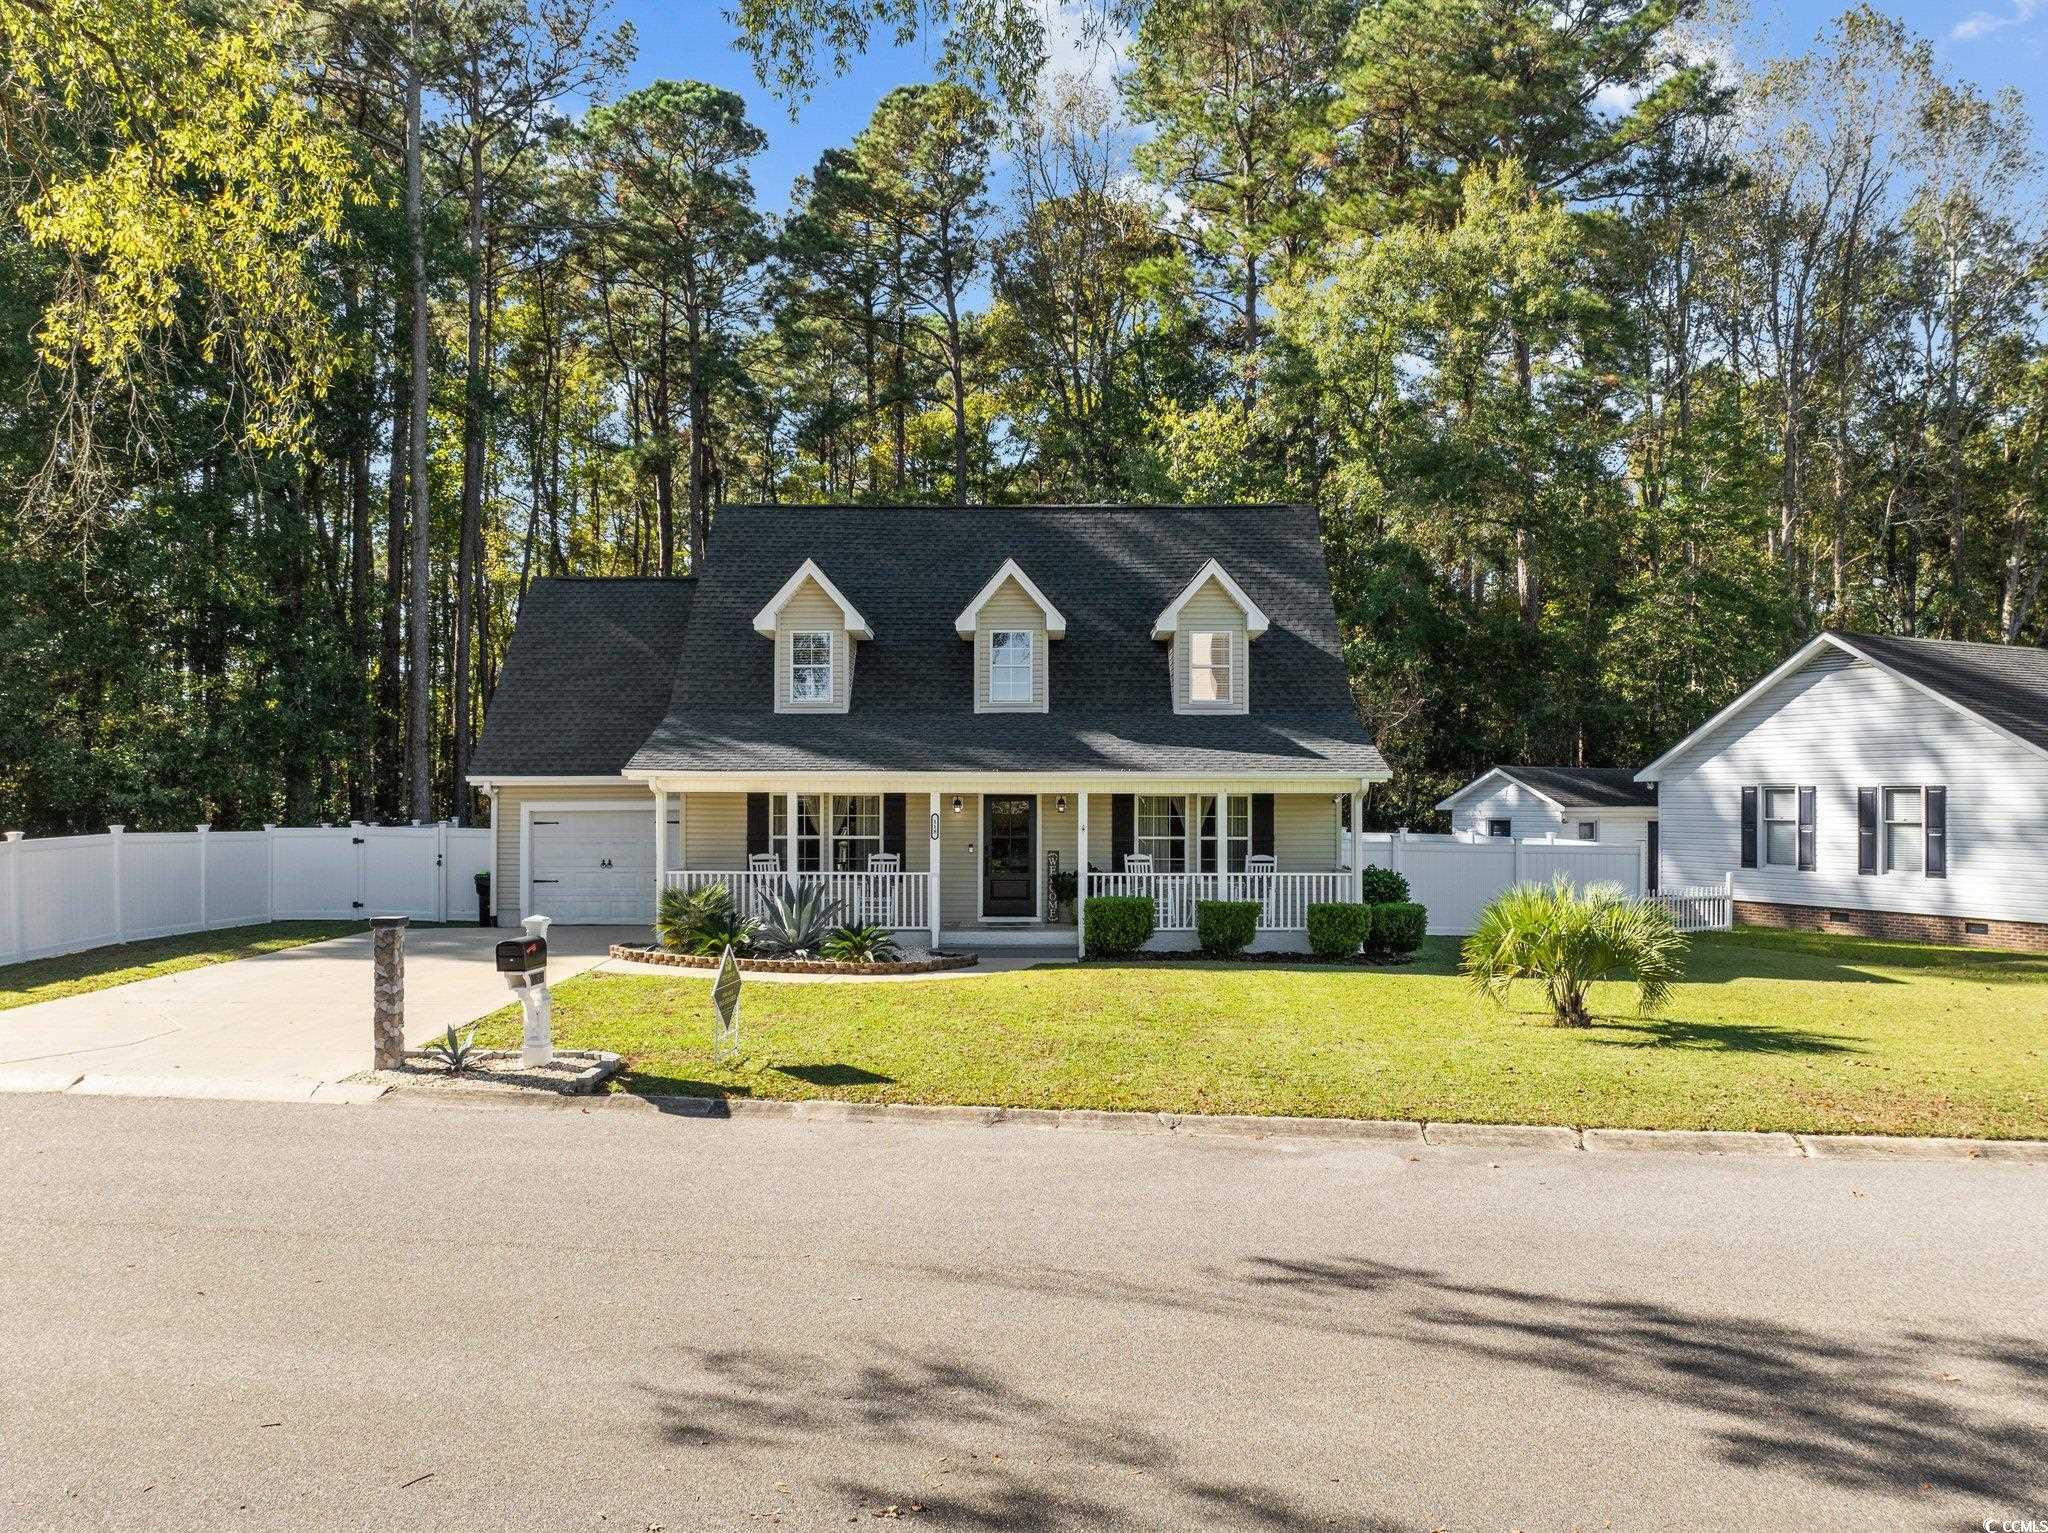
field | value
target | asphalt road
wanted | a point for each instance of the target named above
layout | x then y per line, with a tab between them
229	1315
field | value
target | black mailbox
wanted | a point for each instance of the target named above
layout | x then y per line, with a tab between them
523	955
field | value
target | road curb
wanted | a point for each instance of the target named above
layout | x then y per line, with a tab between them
1689	1141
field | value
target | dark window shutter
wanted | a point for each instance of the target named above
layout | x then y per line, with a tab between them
1344	811
1205	836
757	824
1653	857
1262	824
1937	833
1806	837
1866	830
1123	829
892	823
1749	827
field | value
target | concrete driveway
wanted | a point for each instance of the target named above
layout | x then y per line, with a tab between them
282	1024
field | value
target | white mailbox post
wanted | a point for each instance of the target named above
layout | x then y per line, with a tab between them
524	963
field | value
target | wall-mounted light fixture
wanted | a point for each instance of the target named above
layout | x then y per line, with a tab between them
956	803
1060	803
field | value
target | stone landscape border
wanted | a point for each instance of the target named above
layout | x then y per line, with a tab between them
647	955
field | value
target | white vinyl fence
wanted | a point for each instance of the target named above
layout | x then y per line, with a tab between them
61	894
1455	876
1702	908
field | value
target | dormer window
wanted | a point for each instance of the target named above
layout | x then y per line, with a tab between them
1209	667
1009	665
810	666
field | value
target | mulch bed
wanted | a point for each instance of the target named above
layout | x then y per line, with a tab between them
1360	960
931	965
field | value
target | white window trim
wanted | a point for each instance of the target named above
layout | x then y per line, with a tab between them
831	670
1014	704
1763	825
1239	693
1166	837
1579	829
970	615
1884	829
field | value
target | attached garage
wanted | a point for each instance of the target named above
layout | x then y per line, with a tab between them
589	865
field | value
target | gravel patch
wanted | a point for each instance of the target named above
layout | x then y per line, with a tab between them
572	1072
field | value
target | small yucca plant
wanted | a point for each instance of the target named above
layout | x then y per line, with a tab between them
1569	939
861	944
455	1054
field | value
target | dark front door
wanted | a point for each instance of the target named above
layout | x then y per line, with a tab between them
1009	837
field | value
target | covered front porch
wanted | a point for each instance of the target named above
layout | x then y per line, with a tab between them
974	861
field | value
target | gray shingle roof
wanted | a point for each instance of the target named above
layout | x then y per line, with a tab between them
588	675
1110	570
2005	683
1587	787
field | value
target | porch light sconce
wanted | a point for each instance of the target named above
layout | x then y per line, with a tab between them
1060	803
956	803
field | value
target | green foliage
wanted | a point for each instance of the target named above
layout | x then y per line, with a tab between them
1117	924
702	921
796	919
1569	939
1381	886
861	944
1398	927
1338	929
455	1054
1225	928
1063	886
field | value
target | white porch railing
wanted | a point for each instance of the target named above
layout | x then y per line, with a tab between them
1283	898
896	901
1705	908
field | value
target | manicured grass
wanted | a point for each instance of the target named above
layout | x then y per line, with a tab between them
1769	1030
101	968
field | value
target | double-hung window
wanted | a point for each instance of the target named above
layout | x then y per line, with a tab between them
1162	832
1009	665
807	855
1225	854
856	830
1209	660
1905	831
810	667
1781	827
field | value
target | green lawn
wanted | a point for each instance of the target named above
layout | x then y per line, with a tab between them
101	968
1770	1030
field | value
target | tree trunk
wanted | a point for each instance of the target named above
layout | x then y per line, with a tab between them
420	774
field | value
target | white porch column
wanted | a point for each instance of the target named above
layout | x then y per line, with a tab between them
1223	841
1358	845
932	872
789	824
1081	875
660	845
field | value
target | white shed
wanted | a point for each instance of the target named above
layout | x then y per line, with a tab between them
1521	803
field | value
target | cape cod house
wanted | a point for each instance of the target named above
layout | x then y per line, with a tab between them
1873	784
935	712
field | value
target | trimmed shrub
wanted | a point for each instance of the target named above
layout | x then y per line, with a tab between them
1338	930
1383	886
1118	923
1398	927
1225	928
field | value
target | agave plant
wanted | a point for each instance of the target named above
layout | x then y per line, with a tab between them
796	920
861	944
1570	938
456	1055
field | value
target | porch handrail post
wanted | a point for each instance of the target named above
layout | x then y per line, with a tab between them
932	874
1081	878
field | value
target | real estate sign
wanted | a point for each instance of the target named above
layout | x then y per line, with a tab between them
725	1008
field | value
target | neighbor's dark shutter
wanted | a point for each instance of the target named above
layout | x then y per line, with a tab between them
1123	829
1866	830
1262	824
757	824
1806	846
1937	833
1749	827
1653	857
892	823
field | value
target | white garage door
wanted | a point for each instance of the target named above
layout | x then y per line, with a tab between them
592	867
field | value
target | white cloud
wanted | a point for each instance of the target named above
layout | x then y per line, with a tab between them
1072	54
1980	23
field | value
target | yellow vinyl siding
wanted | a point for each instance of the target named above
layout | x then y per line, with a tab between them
1211	610
1010	608
505	892
810	610
1305	832
959	859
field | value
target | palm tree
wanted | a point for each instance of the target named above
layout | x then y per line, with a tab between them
1568	939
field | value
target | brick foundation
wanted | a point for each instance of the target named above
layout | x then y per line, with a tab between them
1896	925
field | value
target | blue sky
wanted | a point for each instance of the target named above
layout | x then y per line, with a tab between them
1992	43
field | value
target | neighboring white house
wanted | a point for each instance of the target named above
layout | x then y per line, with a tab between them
1888	786
1579	803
